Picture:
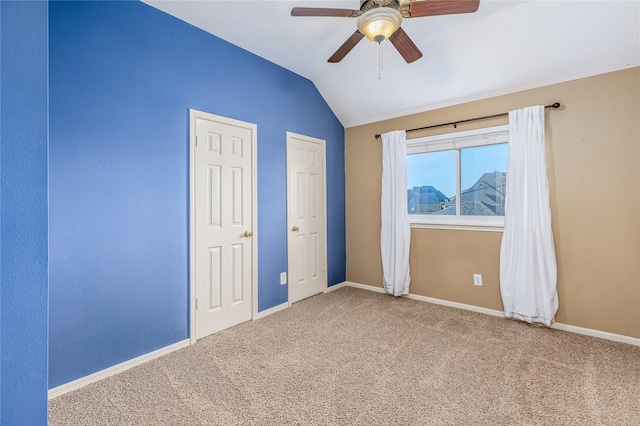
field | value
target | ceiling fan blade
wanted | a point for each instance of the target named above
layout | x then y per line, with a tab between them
438	7
319	11
346	47
405	46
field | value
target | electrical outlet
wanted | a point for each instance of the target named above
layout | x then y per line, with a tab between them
283	278
477	279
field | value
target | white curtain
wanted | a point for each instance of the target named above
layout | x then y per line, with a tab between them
395	234
528	271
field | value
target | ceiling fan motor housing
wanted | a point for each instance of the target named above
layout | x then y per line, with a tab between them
366	5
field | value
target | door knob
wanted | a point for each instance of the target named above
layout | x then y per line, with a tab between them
295	229
248	234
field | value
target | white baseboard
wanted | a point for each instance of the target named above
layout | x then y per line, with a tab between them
118	368
365	287
597	333
450	304
336	286
270	311
558	326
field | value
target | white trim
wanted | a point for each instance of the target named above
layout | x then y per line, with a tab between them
597	333
558	326
452	227
193	116
192	221
334	287
459	140
270	311
254	220
116	369
457	305
457	221
365	287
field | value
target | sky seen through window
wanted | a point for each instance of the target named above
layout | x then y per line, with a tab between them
438	169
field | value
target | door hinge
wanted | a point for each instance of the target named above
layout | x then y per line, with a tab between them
196	304
196	141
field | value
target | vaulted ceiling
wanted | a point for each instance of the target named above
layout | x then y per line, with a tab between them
504	47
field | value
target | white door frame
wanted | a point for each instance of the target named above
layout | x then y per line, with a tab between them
323	143
193	116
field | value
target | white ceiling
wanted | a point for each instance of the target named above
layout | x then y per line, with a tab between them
504	47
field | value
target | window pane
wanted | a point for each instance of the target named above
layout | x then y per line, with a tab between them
431	183
483	172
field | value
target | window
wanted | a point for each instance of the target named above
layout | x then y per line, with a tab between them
458	180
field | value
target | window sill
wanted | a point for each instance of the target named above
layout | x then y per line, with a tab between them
458	227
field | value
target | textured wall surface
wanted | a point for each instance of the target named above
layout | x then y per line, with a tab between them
593	162
123	76
23	213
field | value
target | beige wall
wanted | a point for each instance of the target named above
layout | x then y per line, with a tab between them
593	159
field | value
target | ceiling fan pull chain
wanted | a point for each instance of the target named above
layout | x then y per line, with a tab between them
379	60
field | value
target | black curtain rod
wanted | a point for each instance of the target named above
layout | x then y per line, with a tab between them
455	123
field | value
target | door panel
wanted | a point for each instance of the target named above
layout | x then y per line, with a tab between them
223	219
306	216
215	277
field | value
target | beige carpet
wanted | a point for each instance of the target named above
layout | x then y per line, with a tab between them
354	357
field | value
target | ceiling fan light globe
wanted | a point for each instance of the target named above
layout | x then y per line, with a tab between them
378	24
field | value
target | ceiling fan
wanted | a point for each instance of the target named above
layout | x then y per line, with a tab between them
380	20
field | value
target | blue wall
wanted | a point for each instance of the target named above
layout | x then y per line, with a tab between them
23	213
122	78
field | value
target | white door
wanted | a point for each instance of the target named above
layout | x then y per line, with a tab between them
306	216
223	222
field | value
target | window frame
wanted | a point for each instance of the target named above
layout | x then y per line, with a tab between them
456	141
